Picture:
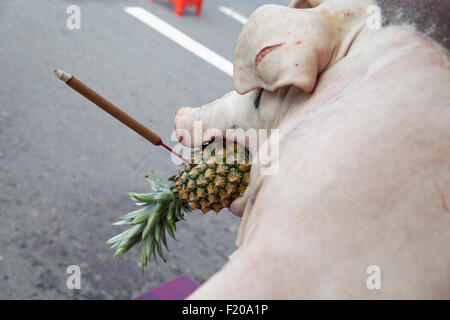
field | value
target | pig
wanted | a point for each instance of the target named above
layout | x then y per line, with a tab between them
359	207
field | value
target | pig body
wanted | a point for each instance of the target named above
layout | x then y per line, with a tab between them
364	164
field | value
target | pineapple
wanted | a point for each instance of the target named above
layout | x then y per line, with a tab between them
220	175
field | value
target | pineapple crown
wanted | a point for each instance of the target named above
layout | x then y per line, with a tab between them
159	213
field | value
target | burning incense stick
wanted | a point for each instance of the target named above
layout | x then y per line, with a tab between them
114	111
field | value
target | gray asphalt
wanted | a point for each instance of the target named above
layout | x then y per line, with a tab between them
65	165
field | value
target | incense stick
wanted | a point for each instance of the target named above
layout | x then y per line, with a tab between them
114	111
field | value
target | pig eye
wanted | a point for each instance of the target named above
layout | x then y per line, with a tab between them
258	98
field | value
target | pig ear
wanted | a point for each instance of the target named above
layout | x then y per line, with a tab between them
269	56
287	64
305	4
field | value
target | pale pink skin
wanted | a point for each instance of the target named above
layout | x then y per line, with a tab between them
364	163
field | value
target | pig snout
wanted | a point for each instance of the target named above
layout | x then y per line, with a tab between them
183	122
193	128
196	126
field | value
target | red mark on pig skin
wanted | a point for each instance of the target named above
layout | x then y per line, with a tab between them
299	42
348	14
264	51
444	203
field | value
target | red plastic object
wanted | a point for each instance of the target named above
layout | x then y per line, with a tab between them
180	5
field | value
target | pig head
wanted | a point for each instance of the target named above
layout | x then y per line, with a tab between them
279	54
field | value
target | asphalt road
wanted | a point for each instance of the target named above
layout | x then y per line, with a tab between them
65	165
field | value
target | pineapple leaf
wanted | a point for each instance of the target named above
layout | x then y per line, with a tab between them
170	232
174	223
169	216
153	219
160	252
146	252
126	245
133	214
157	183
148	246
163	236
142	197
127	234
178	214
153	184
154	251
119	237
180	209
143	255
158	232
121	222
115	245
164	195
142	203
143	215
146	230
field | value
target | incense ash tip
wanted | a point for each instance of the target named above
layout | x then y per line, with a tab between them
64	76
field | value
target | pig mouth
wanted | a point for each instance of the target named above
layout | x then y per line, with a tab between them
208	141
265	51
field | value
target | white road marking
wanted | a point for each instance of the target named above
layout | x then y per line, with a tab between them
182	39
233	14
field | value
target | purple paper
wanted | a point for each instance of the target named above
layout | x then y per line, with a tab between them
176	289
